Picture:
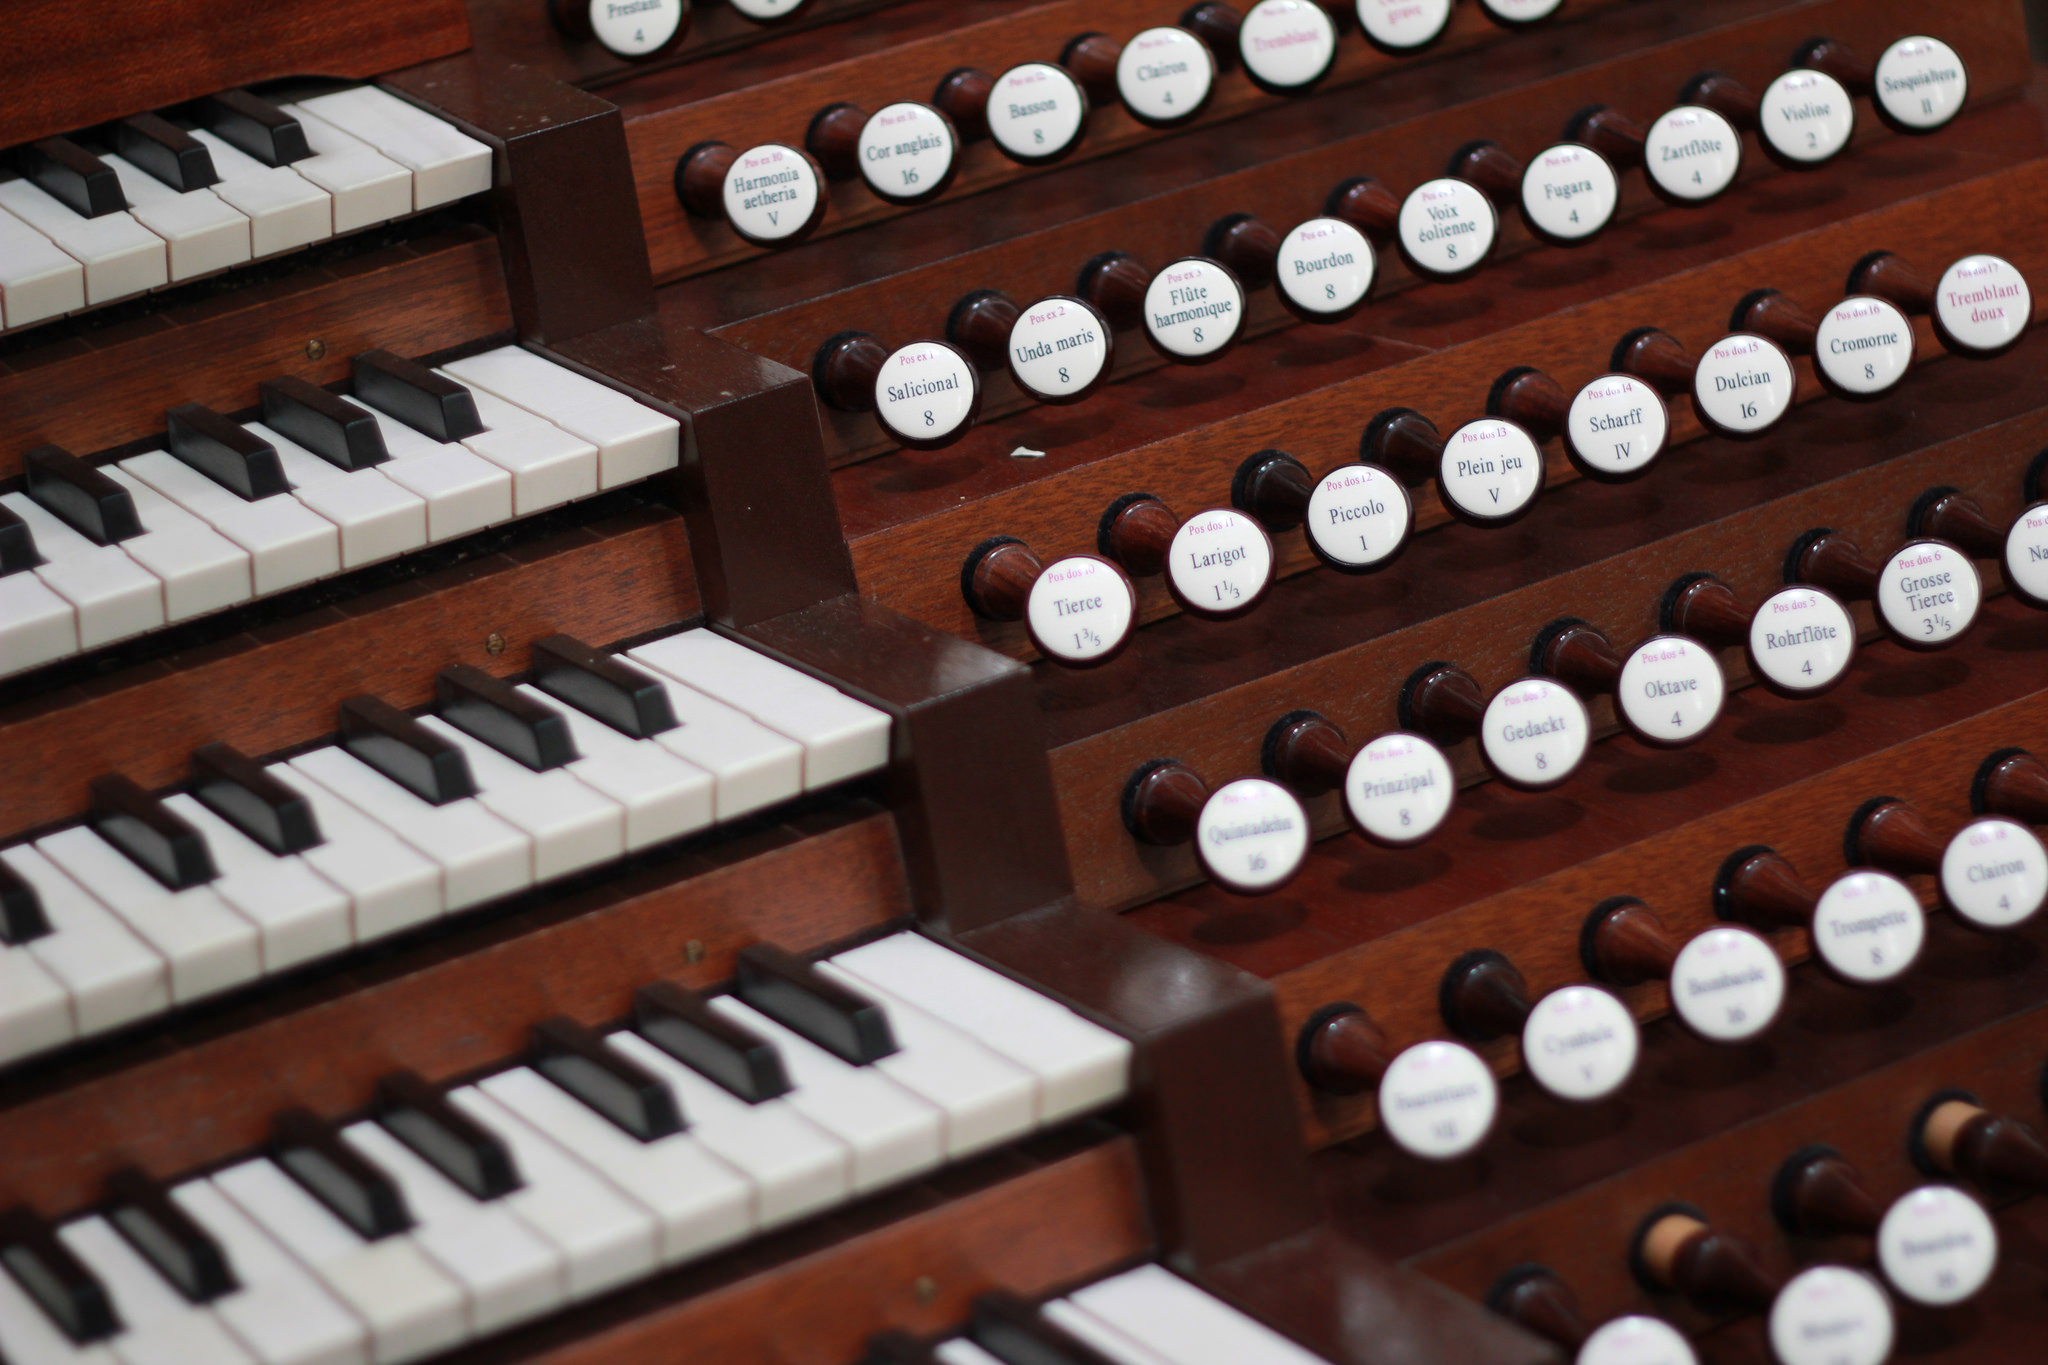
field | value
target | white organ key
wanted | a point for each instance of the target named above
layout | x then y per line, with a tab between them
986	1098
961	1351
571	825
201	569
841	737
464	492
159	1326
508	1271
751	764
113	596
480	855
795	1166
892	1132
207	946
112	976
285	210
204	232
36	624
35	1009
376	518
606	1238
1112	1342
1079	1065
367	187
280	1313
633	440
548	465
446	164
411	1307
662	796
288	542
1186	1325
494	412
698	1201
300	913
38	280
29	1337
391	886
120	256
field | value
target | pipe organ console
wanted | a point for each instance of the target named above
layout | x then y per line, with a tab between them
1022	682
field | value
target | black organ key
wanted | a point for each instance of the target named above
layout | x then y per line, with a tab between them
791	991
602	685
1016	1333
81	496
503	717
425	764
313	1153
681	1024
158	1227
59	1283
615	1086
155	838
444	1137
416	396
245	794
255	125
72	176
340	433
160	148
21	909
224	451
17	544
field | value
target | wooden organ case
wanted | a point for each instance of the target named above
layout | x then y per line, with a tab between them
822	681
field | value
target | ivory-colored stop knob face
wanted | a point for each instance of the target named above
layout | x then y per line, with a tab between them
1864	346
1447	227
1080	610
1359	515
1802	640
1580	1043
1193	309
1617	426
1983	303
1252	835
1636	1340
1744	384
1831	1315
1727	985
1404	25
1921	83
1036	112
636	28
1869	927
1994	873
770	194
1671	690
1287	44
2026	553
1164	74
1399	788
1220	563
1521	11
1569	192
1535	733
1325	267
924	393
906	151
1806	116
1059	348
1937	1245
1491	470
1438	1100
1692	153
1928	593
765	11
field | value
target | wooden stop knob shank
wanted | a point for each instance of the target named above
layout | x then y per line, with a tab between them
1726	96
1162	801
2012	783
1404	441
1136	532
1770	314
979	326
1756	886
1625	944
1368	205
1534	1297
1245	244
1888	833
1578	655
962	96
1889	276
1531	400
1483	996
845	369
1441	702
1832	57
1115	283
1825	558
833	139
1274	487
1954	516
1993	1150
1493	168
1704	608
1611	133
1341	1051
1092	58
1714	1270
997	579
1656	357
1818	1193
1307	752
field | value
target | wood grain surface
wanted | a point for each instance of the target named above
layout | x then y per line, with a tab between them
193	1090
68	66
